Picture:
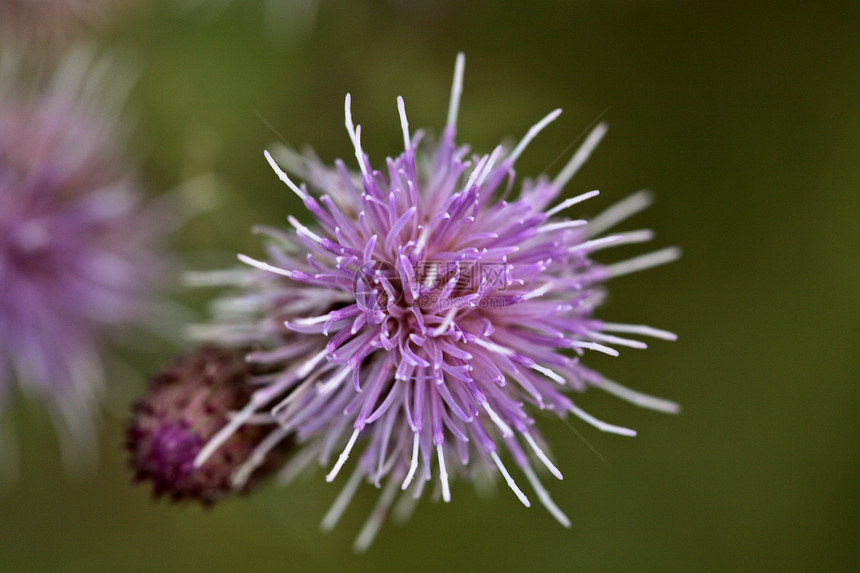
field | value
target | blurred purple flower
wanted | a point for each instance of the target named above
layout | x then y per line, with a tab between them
77	262
428	314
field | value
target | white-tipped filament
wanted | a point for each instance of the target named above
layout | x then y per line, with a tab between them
456	89
311	320
640	236
347	112
359	154
446	323
297	464
229	277
600	424
640	329
494	347
225	432
488	167
594	346
257	457
334	381
617	340
637	398
376	519
596	244
289	159
581	156
510	481
264	266
298	393
542	456
342	501
532	133
283	177
539	292
304	230
503	427
423	478
544	497
550	227
548	373
341	459
473	176
643	262
625	208
414	464
404	508
404	124
443	475
572	201
311	364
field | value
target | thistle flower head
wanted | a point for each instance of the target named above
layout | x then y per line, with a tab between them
427	312
77	259
184	406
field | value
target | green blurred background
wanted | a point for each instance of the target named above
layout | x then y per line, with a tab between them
744	117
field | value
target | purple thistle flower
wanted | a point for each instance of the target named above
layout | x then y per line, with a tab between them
76	256
428	314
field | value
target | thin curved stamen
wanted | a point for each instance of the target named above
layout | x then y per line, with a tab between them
342	457
456	89
532	133
509	480
581	156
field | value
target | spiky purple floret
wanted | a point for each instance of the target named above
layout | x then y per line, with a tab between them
431	312
78	258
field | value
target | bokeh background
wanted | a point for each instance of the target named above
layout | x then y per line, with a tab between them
744	117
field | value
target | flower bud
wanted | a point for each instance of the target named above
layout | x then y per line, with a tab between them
185	406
